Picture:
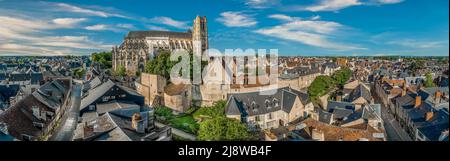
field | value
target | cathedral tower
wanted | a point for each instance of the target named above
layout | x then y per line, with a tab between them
200	35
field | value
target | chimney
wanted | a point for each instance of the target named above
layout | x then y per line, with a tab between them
429	115
318	135
437	97
338	98
135	120
418	101
404	88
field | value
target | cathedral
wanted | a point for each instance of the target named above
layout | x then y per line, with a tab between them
139	46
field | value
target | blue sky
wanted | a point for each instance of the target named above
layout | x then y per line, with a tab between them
295	27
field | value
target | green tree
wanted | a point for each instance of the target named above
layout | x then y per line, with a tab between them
122	71
217	110
320	86
104	58
342	76
162	65
79	72
223	129
429	80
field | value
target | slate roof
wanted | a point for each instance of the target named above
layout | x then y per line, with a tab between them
360	91
341	113
19	118
115	105
255	104
7	91
325	117
112	126
96	93
170	34
433	128
334	133
342	105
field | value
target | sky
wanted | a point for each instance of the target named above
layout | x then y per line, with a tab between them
294	27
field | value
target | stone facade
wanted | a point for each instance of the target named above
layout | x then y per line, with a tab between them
139	46
152	88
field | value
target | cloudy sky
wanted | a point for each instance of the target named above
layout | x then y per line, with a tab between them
295	27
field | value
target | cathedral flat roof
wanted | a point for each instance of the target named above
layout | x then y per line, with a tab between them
170	34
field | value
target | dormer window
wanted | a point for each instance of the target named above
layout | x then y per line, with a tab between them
267	104
275	102
26	137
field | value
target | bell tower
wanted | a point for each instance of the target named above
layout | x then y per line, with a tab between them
200	35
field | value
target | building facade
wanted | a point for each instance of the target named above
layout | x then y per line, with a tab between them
140	46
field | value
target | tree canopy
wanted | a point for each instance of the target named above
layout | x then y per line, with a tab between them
223	129
429	80
320	86
104	58
342	76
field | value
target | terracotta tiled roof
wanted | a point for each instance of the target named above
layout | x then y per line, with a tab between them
335	133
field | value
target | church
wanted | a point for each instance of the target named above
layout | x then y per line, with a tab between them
139	46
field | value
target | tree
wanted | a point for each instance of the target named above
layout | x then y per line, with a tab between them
122	71
342	76
217	110
162	65
104	58
223	129
79	72
320	86
416	66
429	80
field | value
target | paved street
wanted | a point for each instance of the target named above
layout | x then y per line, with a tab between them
178	132
393	129
70	119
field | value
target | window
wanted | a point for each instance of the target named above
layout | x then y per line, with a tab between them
105	98
270	116
26	137
275	102
257	119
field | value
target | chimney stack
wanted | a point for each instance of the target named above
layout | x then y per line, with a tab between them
437	96
429	115
318	135
135	120
404	89
418	101
338	98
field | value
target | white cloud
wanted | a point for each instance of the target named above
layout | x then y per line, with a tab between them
336	5
170	22
126	26
68	21
31	36
308	32
315	18
419	44
262	4
98	27
236	19
332	5
103	27
152	27
283	17
389	1
71	8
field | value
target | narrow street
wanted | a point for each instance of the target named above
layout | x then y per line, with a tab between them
70	119
178	132
393	129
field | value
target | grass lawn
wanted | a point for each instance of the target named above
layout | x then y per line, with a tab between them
186	123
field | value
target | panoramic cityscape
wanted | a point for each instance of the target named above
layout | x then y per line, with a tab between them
237	70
